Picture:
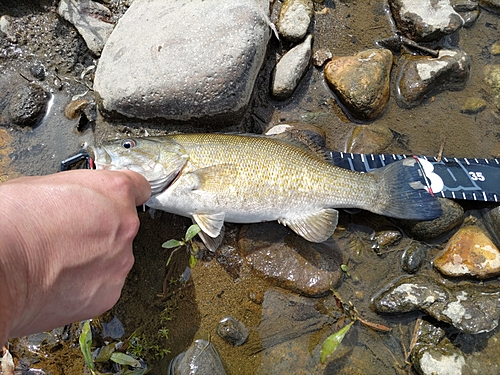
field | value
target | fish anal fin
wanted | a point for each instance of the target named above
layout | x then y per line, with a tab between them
315	227
210	224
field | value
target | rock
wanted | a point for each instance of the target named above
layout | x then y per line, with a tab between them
320	56
369	139
413	257
434	354
385	237
286	316
232	331
469	252
27	104
201	358
423	76
452	216
492	78
466	307
153	67
290	70
309	135
473	105
495	49
425	20
289	261
91	19
74	108
361	82
295	17
491	5
491	220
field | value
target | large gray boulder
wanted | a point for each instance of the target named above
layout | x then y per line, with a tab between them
183	59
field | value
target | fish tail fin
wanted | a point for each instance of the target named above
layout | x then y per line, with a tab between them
402	192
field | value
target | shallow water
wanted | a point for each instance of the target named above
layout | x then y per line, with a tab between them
153	298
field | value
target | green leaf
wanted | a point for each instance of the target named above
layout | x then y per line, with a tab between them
105	353
172	243
124	359
332	342
192	261
192	231
85	341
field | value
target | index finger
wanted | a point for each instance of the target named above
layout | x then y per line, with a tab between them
141	189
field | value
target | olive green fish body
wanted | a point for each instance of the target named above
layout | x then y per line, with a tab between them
214	178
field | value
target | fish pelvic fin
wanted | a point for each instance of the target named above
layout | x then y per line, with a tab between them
402	193
212	244
211	224
316	227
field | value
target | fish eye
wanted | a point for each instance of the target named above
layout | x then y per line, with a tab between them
128	143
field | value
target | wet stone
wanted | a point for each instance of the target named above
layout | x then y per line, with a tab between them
452	216
290	69
369	139
434	353
474	105
288	260
91	19
491	5
467	307
27	104
491	220
232	331
361	82
201	358
295	17
414	257
423	76
425	20
492	79
469	252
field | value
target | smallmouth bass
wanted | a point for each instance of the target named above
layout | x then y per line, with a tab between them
214	178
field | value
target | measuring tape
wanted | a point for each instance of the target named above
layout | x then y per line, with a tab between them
455	178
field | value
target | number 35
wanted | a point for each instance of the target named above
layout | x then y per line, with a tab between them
476	176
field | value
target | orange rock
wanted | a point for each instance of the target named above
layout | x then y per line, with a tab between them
469	252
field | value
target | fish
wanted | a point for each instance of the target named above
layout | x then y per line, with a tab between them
243	178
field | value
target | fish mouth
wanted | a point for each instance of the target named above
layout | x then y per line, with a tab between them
100	158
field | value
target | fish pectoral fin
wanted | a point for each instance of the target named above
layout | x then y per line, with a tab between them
316	227
212	244
210	224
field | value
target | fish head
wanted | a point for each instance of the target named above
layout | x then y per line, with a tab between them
158	159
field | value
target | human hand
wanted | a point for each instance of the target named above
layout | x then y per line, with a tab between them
65	246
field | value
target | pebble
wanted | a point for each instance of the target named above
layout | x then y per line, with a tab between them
74	108
200	358
474	105
422	77
290	69
492	79
91	19
495	49
27	104
295	17
369	139
162	71
467	307
288	261
425	20
452	217
414	257
434	354
491	5
469	252
232	331
361	82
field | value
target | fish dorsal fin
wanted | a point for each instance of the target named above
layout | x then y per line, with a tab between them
210	224
300	139
316	227
212	244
